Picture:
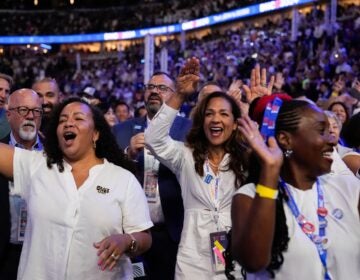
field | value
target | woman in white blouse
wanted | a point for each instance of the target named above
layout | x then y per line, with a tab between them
295	221
209	168
86	212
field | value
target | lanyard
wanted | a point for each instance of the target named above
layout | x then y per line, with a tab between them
308	228
214	190
270	116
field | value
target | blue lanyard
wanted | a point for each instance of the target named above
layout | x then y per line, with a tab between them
214	191
308	228
208	178
269	119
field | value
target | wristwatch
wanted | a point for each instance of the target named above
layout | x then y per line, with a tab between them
133	244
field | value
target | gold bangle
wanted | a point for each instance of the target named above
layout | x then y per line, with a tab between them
266	192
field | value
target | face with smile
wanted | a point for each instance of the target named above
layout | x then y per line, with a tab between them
312	143
340	111
49	93
76	132
219	122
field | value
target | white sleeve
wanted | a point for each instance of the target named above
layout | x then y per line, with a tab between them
157	139
24	161
248	190
136	216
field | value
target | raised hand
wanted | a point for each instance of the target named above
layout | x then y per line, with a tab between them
235	92
269	154
258	84
188	79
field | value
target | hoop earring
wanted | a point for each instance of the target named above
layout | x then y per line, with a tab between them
288	153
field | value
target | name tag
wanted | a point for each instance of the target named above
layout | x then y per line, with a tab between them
150	186
218	244
22	222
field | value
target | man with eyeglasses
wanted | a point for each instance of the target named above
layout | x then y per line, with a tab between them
159	183
24	114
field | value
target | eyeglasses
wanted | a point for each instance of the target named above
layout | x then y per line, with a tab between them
24	111
161	88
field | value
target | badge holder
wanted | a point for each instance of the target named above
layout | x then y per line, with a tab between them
150	186
218	244
22	222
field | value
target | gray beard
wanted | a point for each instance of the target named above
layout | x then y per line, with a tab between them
27	135
152	109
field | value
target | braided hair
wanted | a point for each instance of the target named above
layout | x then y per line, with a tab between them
288	120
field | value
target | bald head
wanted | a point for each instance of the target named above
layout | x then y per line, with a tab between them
24	116
207	89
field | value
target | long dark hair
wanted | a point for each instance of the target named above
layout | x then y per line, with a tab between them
197	140
106	146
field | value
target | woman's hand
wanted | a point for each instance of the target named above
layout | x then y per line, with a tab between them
110	249
270	154
235	92
258	84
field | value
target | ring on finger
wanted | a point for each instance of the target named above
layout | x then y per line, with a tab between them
114	256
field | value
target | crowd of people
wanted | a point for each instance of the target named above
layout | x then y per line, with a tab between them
240	162
127	16
316	64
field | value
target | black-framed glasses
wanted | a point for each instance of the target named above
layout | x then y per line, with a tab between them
24	111
161	88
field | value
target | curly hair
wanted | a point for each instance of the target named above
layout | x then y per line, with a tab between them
197	141
106	146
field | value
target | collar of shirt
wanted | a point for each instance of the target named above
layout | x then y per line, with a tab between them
37	145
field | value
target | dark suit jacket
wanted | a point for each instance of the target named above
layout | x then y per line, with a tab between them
4	210
169	188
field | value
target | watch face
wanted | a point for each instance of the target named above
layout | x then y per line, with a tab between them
133	245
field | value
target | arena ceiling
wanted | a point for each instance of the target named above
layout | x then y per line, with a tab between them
65	4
